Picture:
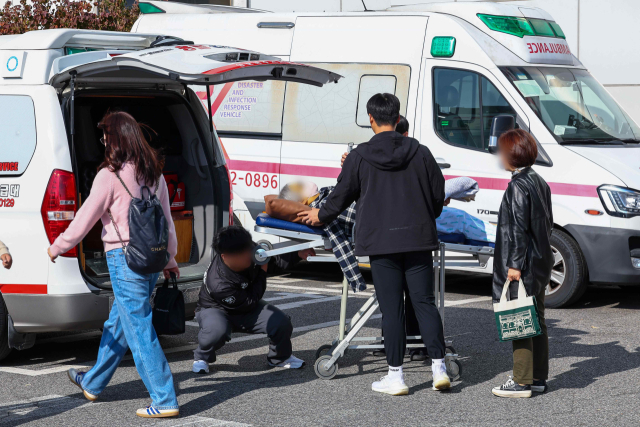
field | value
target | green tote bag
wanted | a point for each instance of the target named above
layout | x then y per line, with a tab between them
516	319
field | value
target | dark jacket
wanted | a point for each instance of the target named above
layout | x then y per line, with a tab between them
525	222
399	190
238	293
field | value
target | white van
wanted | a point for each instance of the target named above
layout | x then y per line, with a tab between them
55	85
454	67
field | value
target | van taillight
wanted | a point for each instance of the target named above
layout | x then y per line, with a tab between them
59	206
230	195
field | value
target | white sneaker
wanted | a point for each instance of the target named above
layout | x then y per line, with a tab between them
200	367
441	380
394	387
291	363
153	412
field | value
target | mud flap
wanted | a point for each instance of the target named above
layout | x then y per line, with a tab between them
17	340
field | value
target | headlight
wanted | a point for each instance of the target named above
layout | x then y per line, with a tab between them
620	201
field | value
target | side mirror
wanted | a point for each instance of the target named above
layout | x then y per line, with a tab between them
499	125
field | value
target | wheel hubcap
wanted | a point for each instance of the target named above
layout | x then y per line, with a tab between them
557	273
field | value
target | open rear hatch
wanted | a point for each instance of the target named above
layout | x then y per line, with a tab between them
182	64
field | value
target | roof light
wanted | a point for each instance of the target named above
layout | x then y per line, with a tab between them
519	27
557	30
149	8
443	47
541	28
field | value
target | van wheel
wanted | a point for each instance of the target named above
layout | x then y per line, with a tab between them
569	276
4	330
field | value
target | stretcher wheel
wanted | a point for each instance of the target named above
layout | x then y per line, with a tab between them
259	256
323	350
449	350
321	371
454	369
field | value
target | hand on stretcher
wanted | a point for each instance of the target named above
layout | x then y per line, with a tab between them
310	217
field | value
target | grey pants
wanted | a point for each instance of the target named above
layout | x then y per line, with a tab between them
216	326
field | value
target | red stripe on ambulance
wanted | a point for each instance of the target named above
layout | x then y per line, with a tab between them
23	289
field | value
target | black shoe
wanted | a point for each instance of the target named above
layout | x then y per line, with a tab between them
379	352
512	389
539	386
418	354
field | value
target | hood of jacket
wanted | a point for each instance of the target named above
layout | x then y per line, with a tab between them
388	150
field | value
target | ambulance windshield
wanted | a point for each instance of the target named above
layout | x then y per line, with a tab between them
573	106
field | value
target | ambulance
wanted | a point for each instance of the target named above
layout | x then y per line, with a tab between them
55	85
454	66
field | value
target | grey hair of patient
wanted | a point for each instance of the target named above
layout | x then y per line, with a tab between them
288	194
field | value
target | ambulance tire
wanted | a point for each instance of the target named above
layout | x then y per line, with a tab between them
4	330
573	266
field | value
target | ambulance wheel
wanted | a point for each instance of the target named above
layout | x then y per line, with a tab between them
4	330
258	253
324	349
454	369
569	277
321	371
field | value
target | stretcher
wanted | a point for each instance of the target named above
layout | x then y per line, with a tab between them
453	251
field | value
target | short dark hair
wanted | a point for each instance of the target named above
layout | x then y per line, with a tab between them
519	148
232	239
403	125
384	108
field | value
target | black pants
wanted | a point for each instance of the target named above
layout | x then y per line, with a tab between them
216	326
389	273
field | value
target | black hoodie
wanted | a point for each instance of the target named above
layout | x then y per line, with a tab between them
399	190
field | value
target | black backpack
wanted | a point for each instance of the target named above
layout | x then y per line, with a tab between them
147	251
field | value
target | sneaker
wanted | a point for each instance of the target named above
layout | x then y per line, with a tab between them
153	412
200	367
394	387
418	354
441	380
291	363
76	378
512	389
539	386
379	352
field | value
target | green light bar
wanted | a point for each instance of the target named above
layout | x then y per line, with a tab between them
149	8
519	27
443	47
541	28
557	30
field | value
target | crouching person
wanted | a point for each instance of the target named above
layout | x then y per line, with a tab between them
231	300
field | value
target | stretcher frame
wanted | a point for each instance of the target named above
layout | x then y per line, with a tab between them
326	366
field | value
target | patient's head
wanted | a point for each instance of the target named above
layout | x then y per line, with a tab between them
299	191
235	246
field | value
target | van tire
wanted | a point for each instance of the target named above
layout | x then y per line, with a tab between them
574	268
4	330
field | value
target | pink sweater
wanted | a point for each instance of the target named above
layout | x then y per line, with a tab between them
108	192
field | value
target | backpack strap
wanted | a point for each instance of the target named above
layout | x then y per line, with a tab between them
124	248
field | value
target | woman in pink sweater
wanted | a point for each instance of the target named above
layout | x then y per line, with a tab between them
128	155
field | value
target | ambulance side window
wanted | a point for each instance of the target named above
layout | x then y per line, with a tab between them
465	103
337	113
17	134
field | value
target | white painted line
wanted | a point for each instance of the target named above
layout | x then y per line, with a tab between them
280	279
466	301
195	420
291	295
297	304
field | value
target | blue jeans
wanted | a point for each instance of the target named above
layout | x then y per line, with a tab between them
129	326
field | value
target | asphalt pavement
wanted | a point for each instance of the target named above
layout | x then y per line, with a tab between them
594	351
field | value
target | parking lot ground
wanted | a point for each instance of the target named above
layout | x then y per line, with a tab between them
594	350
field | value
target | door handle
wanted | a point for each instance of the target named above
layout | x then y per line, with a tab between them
442	163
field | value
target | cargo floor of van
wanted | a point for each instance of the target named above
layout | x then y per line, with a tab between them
169	127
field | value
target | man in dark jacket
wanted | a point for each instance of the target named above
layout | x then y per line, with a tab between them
231	300
399	190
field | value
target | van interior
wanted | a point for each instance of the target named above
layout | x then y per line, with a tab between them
169	127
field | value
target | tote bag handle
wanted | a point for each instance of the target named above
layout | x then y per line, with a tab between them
521	290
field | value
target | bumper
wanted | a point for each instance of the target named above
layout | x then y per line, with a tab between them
49	313
607	253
